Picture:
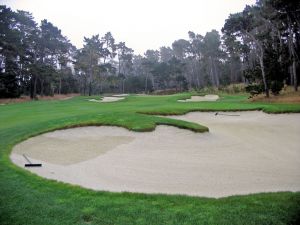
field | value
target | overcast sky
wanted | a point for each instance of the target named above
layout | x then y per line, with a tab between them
142	24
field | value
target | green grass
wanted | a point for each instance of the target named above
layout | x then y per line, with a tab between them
28	199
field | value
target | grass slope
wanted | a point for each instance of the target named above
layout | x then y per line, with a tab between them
28	199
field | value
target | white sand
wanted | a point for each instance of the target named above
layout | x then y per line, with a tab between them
205	98
120	95
250	153
107	99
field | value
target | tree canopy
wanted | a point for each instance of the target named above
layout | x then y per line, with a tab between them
258	46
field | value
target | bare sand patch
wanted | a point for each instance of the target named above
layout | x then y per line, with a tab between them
107	99
204	98
250	153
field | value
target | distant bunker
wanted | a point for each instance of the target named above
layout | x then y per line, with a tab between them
108	99
205	98
250	153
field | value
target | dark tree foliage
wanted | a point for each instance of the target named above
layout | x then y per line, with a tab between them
9	51
259	46
270	30
33	58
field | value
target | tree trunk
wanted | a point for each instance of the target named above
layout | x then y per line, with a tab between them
123	86
84	86
90	88
146	83
42	87
295	75
119	65
33	84
262	67
59	88
211	72
216	75
197	73
153	84
233	72
291	76
293	54
34	88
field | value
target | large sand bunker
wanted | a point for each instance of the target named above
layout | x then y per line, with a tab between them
253	152
205	98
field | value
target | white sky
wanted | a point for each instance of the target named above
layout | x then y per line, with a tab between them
142	24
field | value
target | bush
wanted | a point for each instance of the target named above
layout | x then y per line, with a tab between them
254	89
276	87
233	88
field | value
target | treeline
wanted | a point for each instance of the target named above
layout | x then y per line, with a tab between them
33	59
259	46
266	38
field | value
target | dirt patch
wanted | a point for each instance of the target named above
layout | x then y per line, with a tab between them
204	98
250	153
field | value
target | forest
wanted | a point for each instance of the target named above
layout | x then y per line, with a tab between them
258	47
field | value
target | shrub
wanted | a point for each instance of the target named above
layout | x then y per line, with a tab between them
276	87
233	88
254	89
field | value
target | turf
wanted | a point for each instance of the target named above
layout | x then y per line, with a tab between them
28	199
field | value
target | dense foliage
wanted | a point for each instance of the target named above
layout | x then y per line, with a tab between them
258	46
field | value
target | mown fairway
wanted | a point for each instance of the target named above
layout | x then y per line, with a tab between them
28	199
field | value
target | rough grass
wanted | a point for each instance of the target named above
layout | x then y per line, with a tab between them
28	199
4	101
287	95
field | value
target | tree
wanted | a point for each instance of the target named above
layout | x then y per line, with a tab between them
212	54
287	22
149	62
125	56
54	50
181	48
249	27
125	67
166	54
9	51
109	47
88	60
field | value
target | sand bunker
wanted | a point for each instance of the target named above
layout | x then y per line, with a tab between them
107	99
71	147
253	152
205	98
120	95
